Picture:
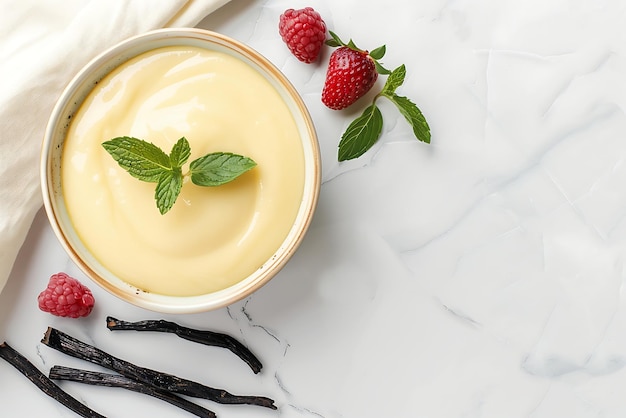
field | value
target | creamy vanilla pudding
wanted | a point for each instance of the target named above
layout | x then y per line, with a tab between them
212	238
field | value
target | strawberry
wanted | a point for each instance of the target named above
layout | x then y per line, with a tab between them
66	296
349	76
351	73
304	32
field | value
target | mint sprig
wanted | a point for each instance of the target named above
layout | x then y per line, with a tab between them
147	162
143	160
365	130
218	168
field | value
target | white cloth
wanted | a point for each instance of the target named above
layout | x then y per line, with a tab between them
42	45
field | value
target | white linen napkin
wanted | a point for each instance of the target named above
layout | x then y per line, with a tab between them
43	44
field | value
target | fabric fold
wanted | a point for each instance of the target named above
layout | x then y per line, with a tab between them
42	46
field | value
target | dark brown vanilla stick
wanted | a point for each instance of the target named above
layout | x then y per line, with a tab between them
202	337
118	381
47	386
66	344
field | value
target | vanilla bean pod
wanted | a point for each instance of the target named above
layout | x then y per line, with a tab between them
118	381
71	346
210	338
47	386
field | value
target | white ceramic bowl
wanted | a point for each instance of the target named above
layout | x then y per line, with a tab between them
70	101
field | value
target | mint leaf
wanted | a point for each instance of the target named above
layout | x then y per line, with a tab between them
168	188
414	116
218	168
143	160
361	134
180	152
395	80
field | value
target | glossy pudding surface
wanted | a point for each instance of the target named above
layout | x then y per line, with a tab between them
213	237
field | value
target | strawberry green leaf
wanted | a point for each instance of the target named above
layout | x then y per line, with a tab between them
352	45
361	134
334	41
379	52
143	160
168	188
395	80
413	115
180	152
218	168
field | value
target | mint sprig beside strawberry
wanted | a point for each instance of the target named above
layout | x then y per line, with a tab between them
364	131
147	162
351	73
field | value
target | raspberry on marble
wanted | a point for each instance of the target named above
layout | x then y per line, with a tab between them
67	297
304	32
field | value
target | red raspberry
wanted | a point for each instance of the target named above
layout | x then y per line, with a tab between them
66	296
304	32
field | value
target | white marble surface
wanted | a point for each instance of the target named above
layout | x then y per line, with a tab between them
478	276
